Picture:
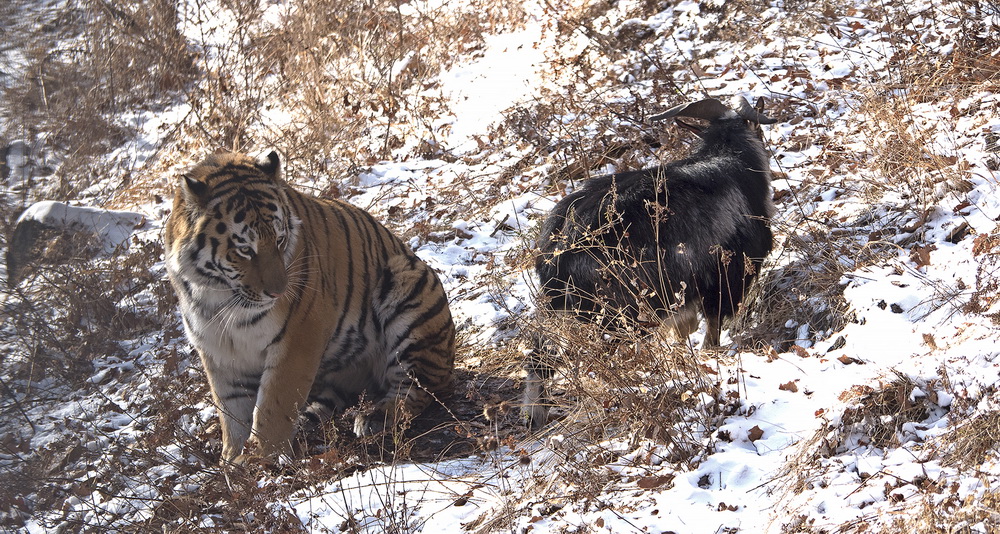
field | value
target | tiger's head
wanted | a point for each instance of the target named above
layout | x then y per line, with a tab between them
231	235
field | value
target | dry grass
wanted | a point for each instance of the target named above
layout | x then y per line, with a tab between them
986	294
66	322
974	440
353	78
941	511
87	66
880	413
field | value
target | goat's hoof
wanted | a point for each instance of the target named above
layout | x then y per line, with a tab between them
536	416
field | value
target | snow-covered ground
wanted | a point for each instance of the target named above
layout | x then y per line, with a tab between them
867	424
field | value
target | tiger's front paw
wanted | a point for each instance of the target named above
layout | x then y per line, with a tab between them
367	425
380	422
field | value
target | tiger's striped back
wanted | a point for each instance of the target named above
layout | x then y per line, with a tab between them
290	299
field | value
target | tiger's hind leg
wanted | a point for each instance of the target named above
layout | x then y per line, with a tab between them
418	336
389	411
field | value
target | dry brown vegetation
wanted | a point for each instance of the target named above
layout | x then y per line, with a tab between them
87	67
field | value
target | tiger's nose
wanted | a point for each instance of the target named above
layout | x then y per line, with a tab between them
276	288
273	294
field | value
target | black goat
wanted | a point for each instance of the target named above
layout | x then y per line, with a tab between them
658	245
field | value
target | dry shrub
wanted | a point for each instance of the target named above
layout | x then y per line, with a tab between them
65	318
91	65
582	134
905	156
596	118
73	307
973	64
874	416
331	84
629	384
353	79
83	70
803	281
587	17
986	295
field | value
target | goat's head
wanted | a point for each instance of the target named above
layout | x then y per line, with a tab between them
713	110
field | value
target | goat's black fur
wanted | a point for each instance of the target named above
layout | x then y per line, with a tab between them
658	244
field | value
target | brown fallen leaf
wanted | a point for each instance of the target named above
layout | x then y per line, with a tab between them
708	369
654	481
790	386
984	243
847	360
921	254
463	500
755	433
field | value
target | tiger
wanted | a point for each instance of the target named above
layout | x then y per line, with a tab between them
299	307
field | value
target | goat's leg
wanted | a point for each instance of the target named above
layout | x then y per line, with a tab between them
683	322
713	322
713	331
540	368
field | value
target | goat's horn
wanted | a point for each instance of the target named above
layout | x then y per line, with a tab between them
747	111
708	109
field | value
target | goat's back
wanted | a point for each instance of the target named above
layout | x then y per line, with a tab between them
658	232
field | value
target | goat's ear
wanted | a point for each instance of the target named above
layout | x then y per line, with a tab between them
195	191
758	130
691	127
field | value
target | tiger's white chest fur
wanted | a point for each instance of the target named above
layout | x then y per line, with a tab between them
225	340
223	332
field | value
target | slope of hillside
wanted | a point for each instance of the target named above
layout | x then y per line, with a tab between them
859	390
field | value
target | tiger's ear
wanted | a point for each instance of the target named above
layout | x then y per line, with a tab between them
271	166
195	191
